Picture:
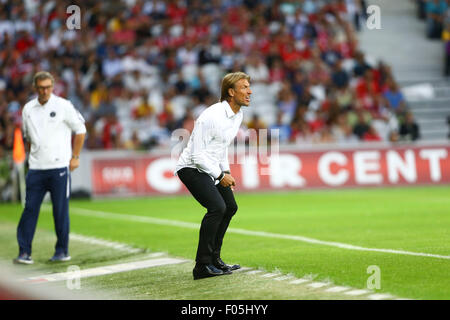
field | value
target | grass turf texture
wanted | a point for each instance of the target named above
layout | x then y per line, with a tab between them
412	219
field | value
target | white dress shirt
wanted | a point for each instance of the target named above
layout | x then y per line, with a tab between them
49	129
207	149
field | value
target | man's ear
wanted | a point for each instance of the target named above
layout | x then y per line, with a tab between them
231	93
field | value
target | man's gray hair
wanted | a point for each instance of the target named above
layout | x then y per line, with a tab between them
42	75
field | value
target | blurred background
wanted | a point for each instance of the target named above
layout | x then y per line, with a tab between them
139	69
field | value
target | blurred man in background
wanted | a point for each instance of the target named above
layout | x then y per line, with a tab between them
48	123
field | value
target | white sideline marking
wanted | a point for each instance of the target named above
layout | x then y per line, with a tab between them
130	266
152	263
242	269
357	292
190	225
105	243
254	272
299	281
317	284
380	296
337	289
116	245
282	278
270	275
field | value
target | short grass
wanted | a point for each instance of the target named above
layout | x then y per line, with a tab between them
411	219
173	282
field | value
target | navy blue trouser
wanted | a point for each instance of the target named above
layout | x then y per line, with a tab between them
38	182
221	207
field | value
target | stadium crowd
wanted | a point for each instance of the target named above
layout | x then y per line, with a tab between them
436	14
139	69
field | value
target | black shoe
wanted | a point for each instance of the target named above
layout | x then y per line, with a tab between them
205	271
219	264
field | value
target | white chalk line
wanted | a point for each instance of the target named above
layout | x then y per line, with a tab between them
190	225
124	267
104	270
92	272
323	287
104	243
276	276
318	284
337	289
357	292
380	296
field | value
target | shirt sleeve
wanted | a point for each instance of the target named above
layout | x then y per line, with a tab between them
224	164
75	120
24	125
202	134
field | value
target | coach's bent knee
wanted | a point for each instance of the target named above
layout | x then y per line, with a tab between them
219	208
232	209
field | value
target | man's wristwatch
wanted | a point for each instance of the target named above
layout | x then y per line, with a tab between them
75	157
219	178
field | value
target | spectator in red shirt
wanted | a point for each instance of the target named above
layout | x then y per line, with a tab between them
367	84
290	54
25	42
371	135
111	132
176	11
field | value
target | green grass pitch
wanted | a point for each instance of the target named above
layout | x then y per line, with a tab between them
415	219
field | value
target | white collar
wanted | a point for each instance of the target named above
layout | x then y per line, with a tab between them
38	104
230	113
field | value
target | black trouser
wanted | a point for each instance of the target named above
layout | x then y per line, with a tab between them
221	206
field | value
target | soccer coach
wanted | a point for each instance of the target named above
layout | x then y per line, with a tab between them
48	122
204	169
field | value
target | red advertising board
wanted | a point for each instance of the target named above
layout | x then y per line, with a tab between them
385	166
